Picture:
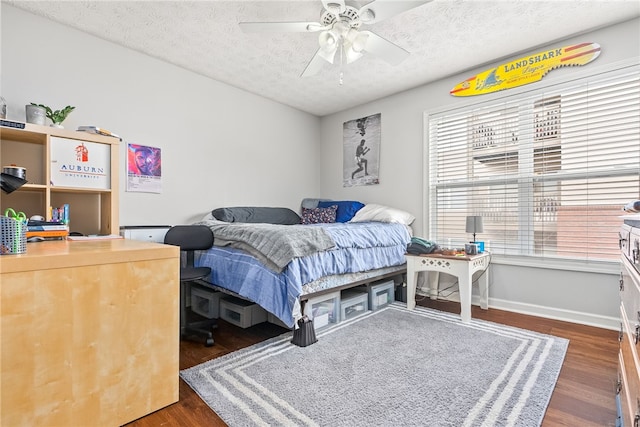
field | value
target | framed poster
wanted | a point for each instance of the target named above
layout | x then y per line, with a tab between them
80	164
144	168
361	151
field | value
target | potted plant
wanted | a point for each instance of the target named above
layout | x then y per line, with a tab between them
36	115
57	116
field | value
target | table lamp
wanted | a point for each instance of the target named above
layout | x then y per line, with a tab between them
474	225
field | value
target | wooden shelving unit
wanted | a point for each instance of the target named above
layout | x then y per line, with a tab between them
86	339
92	210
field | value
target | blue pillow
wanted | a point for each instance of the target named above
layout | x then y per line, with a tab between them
346	208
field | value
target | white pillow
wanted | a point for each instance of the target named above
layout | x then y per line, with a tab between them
373	212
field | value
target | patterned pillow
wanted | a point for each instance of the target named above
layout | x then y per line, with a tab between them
319	215
346	208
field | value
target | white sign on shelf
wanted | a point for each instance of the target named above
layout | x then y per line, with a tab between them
80	164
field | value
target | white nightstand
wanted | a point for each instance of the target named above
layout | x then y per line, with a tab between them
462	267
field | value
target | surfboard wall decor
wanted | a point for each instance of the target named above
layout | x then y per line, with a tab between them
526	70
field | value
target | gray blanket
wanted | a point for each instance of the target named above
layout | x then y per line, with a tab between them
274	245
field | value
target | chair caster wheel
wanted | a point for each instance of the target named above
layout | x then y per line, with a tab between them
209	342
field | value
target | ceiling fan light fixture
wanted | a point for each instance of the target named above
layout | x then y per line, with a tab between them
354	45
327	55
351	35
357	40
351	55
328	40
339	31
341	28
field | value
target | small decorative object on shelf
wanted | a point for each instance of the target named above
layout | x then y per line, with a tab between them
11	124
36	114
97	130
57	116
10	183
3	108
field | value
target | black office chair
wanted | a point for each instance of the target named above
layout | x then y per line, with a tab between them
191	238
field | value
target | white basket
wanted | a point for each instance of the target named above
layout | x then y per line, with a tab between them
13	236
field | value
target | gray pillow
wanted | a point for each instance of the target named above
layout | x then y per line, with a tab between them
257	214
310	203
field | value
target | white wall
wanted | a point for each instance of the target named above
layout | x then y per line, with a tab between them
573	295
221	146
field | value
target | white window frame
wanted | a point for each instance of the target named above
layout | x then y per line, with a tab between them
598	266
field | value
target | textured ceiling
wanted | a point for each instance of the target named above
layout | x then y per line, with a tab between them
444	37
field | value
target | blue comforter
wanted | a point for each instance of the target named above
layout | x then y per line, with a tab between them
358	247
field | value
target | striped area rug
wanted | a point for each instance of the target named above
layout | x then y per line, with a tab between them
392	367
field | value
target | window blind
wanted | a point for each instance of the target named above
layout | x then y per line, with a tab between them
549	172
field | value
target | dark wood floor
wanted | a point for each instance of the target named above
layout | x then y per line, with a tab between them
584	395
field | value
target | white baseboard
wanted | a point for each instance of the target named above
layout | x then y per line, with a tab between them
589	319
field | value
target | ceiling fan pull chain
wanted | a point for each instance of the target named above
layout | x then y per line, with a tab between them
341	47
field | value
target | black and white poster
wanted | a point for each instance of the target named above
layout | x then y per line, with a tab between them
361	151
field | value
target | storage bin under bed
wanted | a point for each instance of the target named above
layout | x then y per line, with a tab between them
324	309
380	294
241	312
353	303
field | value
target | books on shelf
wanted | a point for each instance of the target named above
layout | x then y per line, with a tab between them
47	229
48	234
46	226
97	130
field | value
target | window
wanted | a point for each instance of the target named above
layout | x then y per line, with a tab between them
549	171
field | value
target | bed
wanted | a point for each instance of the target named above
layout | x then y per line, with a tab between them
277	259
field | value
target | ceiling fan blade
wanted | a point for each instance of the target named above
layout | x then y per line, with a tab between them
281	27
378	10
334	6
314	65
383	48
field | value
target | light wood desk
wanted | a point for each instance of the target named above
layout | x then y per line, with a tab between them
89	332
462	267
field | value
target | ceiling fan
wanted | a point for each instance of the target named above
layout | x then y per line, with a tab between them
340	33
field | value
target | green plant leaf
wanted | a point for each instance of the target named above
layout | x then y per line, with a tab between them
57	116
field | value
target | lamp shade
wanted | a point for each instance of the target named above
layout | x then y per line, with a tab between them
354	44
474	224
